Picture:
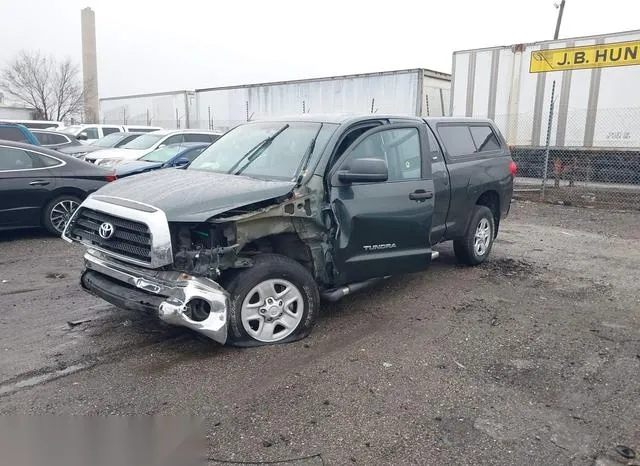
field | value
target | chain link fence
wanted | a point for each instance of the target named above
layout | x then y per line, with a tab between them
587	164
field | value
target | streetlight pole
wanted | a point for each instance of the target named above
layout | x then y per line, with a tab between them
561	8
553	89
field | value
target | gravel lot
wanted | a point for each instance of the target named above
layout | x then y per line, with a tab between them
532	358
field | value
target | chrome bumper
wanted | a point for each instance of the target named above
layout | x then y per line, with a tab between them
168	293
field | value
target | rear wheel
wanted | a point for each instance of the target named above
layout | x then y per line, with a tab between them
476	245
58	212
275	301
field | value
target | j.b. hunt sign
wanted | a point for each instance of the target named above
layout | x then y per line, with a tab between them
591	56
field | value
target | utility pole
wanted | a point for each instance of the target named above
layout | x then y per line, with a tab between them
561	10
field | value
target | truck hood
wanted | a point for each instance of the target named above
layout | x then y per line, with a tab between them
136	166
83	148
192	195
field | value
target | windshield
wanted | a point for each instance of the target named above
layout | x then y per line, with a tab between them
164	154
108	141
143	142
280	160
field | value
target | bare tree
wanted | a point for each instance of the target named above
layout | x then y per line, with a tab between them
53	88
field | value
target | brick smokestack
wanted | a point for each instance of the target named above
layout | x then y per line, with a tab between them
89	65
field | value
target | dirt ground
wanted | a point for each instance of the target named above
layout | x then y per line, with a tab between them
532	358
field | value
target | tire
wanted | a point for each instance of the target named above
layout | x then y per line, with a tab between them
252	322
57	212
472	250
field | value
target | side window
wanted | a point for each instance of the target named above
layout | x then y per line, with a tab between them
12	134
485	138
348	140
14	159
44	161
457	140
175	139
197	138
60	138
50	139
43	138
400	148
90	133
406	144
108	130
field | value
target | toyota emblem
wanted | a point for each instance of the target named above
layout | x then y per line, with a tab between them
106	230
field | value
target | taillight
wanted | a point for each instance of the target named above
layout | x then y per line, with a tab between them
111	178
513	168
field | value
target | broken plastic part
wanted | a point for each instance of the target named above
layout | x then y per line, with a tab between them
625	452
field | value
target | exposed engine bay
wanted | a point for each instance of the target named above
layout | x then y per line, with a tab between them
204	248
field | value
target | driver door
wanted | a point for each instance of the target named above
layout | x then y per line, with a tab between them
383	227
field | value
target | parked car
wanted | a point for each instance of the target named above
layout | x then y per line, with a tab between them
173	155
42	187
140	129
55	139
149	142
89	133
17	133
110	141
37	124
242	244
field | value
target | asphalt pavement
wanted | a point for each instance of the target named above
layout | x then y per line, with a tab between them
531	358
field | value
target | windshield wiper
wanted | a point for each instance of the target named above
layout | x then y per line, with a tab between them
255	151
307	156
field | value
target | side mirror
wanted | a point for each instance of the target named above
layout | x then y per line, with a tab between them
82	137
181	162
160	146
367	170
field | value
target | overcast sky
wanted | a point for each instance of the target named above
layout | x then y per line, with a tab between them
144	46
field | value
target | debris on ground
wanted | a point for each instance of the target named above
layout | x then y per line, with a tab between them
625	452
75	323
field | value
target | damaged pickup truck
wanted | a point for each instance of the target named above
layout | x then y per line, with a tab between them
243	243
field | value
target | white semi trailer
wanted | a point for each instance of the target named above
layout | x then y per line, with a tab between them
417	92
596	100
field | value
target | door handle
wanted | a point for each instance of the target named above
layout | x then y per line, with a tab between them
420	195
39	183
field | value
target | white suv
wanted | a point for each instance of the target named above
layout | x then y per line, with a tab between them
87	133
146	143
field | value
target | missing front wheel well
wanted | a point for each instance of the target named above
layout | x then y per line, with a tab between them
286	244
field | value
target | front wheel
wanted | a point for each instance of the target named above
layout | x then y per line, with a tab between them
275	301
58	212
476	245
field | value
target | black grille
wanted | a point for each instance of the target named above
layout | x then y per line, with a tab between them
130	238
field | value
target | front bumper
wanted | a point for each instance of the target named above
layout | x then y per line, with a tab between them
173	296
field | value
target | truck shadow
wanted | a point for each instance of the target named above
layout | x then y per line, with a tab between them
367	306
370	299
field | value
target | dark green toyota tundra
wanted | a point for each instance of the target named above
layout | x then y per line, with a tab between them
276	215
